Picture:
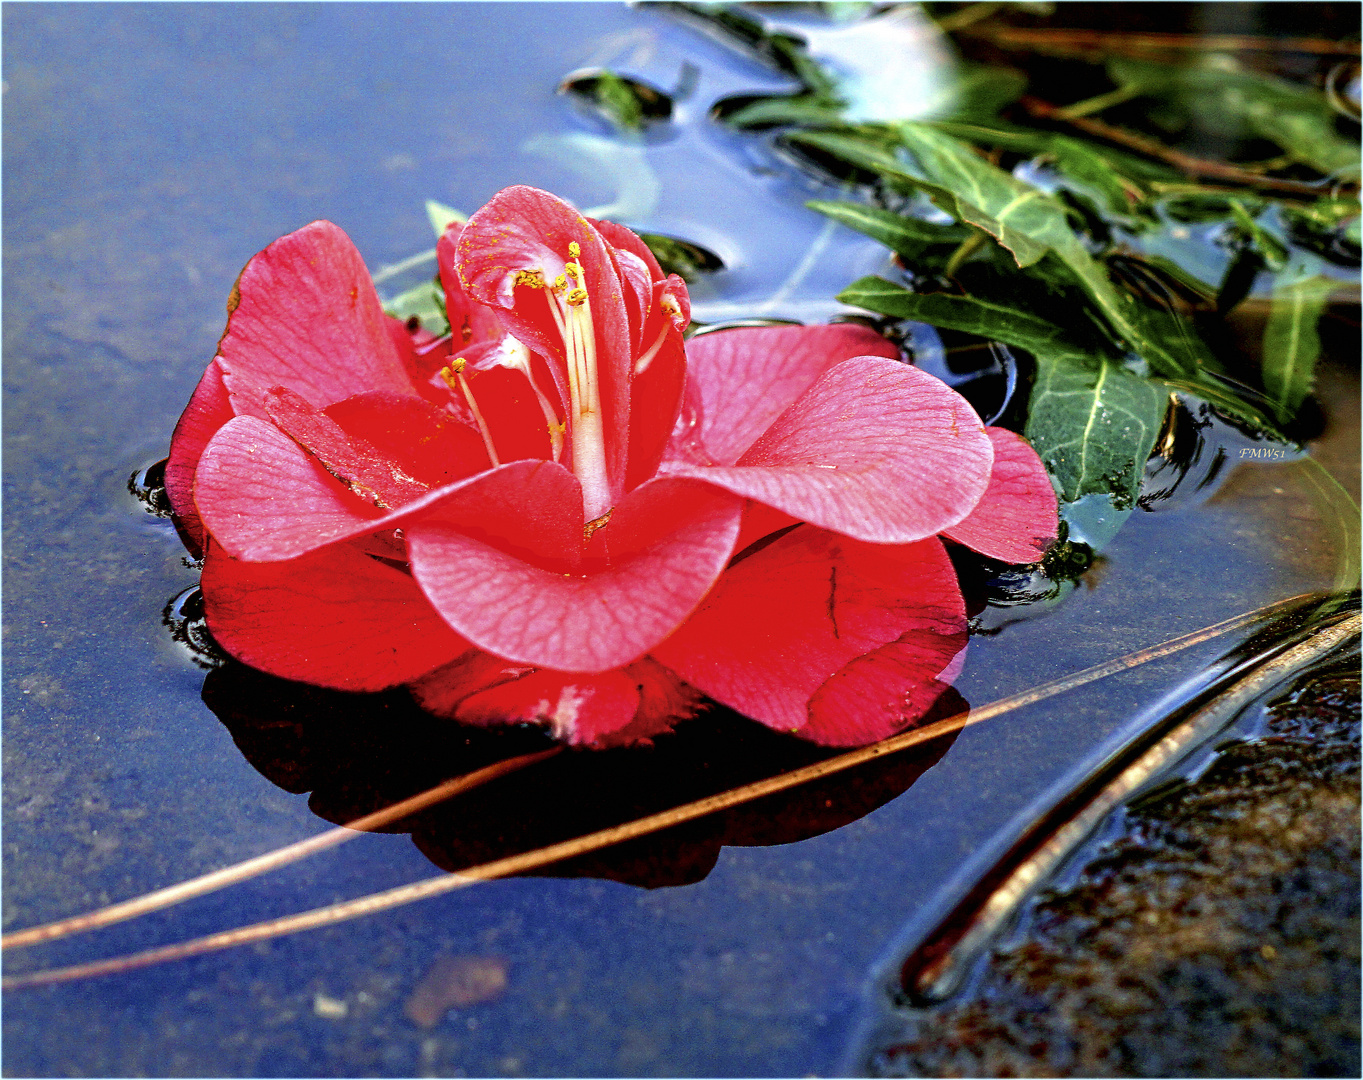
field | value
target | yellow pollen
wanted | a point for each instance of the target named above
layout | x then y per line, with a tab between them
573	270
574	248
530	278
560	282
577	297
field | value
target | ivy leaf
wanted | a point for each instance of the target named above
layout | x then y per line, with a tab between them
1172	335
1023	218
1093	423
997	322
909	237
1292	341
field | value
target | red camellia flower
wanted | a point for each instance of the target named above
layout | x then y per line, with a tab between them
562	514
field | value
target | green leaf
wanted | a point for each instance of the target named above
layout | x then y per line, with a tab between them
1173	336
1093	423
1292	341
1235	401
1235	102
910	237
994	321
1270	248
1090	169
804	110
1029	222
442	216
1022	218
425	301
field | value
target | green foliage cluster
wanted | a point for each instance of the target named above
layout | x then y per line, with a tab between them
1112	261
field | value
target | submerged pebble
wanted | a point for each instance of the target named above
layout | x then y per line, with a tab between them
453	982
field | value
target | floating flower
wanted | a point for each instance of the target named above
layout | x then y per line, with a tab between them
563	514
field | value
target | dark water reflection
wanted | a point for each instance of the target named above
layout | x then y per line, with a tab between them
357	753
149	151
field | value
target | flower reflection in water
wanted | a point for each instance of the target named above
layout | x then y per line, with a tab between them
360	752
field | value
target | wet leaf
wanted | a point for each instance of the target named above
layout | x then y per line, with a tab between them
626	102
801	110
1292	341
996	322
681	257
442	216
1094	424
1270	249
1167	333
424	301
907	236
1237	402
1297	118
1028	222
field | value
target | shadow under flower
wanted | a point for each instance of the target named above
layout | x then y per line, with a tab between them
357	753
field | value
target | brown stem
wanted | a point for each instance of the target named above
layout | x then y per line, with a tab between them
1109	42
271	860
1193	166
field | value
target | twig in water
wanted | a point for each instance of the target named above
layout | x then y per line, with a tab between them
1154	148
271	860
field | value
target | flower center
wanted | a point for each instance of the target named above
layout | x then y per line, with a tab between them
570	303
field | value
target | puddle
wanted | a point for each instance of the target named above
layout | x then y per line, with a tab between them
150	150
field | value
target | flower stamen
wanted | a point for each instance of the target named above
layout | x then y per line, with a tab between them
454	379
573	315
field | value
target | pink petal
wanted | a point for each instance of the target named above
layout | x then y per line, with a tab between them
1016	519
875	449
470	322
264	499
511	410
423	441
422	355
625	707
207	411
749	377
784	621
578	709
883	692
304	315
354	461
626	239
663	547
655	401
335	618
